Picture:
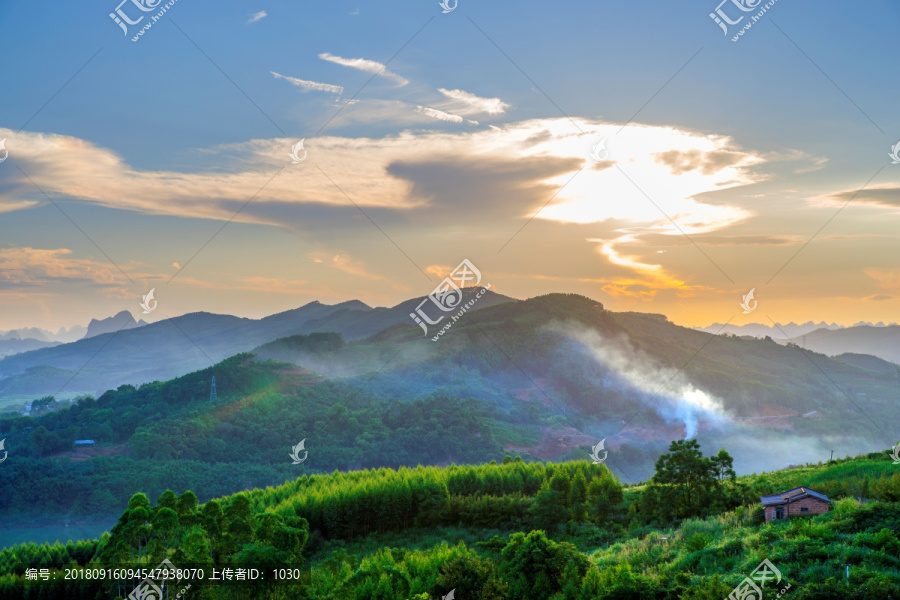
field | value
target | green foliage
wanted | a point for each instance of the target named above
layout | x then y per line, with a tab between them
170	435
299	348
412	512
349	505
534	566
687	484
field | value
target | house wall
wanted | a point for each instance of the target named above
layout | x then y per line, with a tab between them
815	506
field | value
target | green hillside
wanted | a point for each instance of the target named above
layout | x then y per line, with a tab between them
544	378
506	531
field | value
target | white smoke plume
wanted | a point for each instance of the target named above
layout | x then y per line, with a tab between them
665	389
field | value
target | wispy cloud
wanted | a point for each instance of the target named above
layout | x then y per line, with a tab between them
310	85
887	196
27	268
258	17
466	103
362	64
395	112
439	114
353	267
888	279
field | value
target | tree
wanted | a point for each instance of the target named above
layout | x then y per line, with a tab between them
578	497
135	527
467	573
167	500
620	583
535	567
194	548
186	504
548	510
603	495
165	530
692	478
722	464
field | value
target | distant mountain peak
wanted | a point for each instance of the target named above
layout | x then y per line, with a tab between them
354	305
118	322
27	333
777	331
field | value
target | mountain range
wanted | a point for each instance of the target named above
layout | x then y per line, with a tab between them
876	339
880	341
119	350
545	378
76	332
25	339
353	319
759	330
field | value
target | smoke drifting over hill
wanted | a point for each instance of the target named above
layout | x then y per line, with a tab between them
665	389
756	445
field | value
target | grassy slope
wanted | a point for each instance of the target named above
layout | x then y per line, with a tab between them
712	555
702	558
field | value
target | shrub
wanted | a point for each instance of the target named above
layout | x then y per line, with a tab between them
696	542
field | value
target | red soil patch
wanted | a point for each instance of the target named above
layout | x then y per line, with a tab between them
555	442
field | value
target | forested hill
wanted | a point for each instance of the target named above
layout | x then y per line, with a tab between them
546	378
170	434
631	378
508	531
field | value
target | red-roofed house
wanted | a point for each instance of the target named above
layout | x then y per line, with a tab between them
799	501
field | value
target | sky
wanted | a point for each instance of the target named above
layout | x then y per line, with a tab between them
627	151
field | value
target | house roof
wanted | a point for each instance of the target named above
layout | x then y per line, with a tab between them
792	495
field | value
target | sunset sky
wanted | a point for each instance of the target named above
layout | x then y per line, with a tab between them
474	141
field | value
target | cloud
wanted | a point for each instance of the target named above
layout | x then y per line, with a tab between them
29	268
258	17
887	279
369	66
439	114
354	13
64	166
885	196
427	177
9	206
452	186
441	271
683	161
353	267
347	264
310	85
466	103
643	191
381	112
658	239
